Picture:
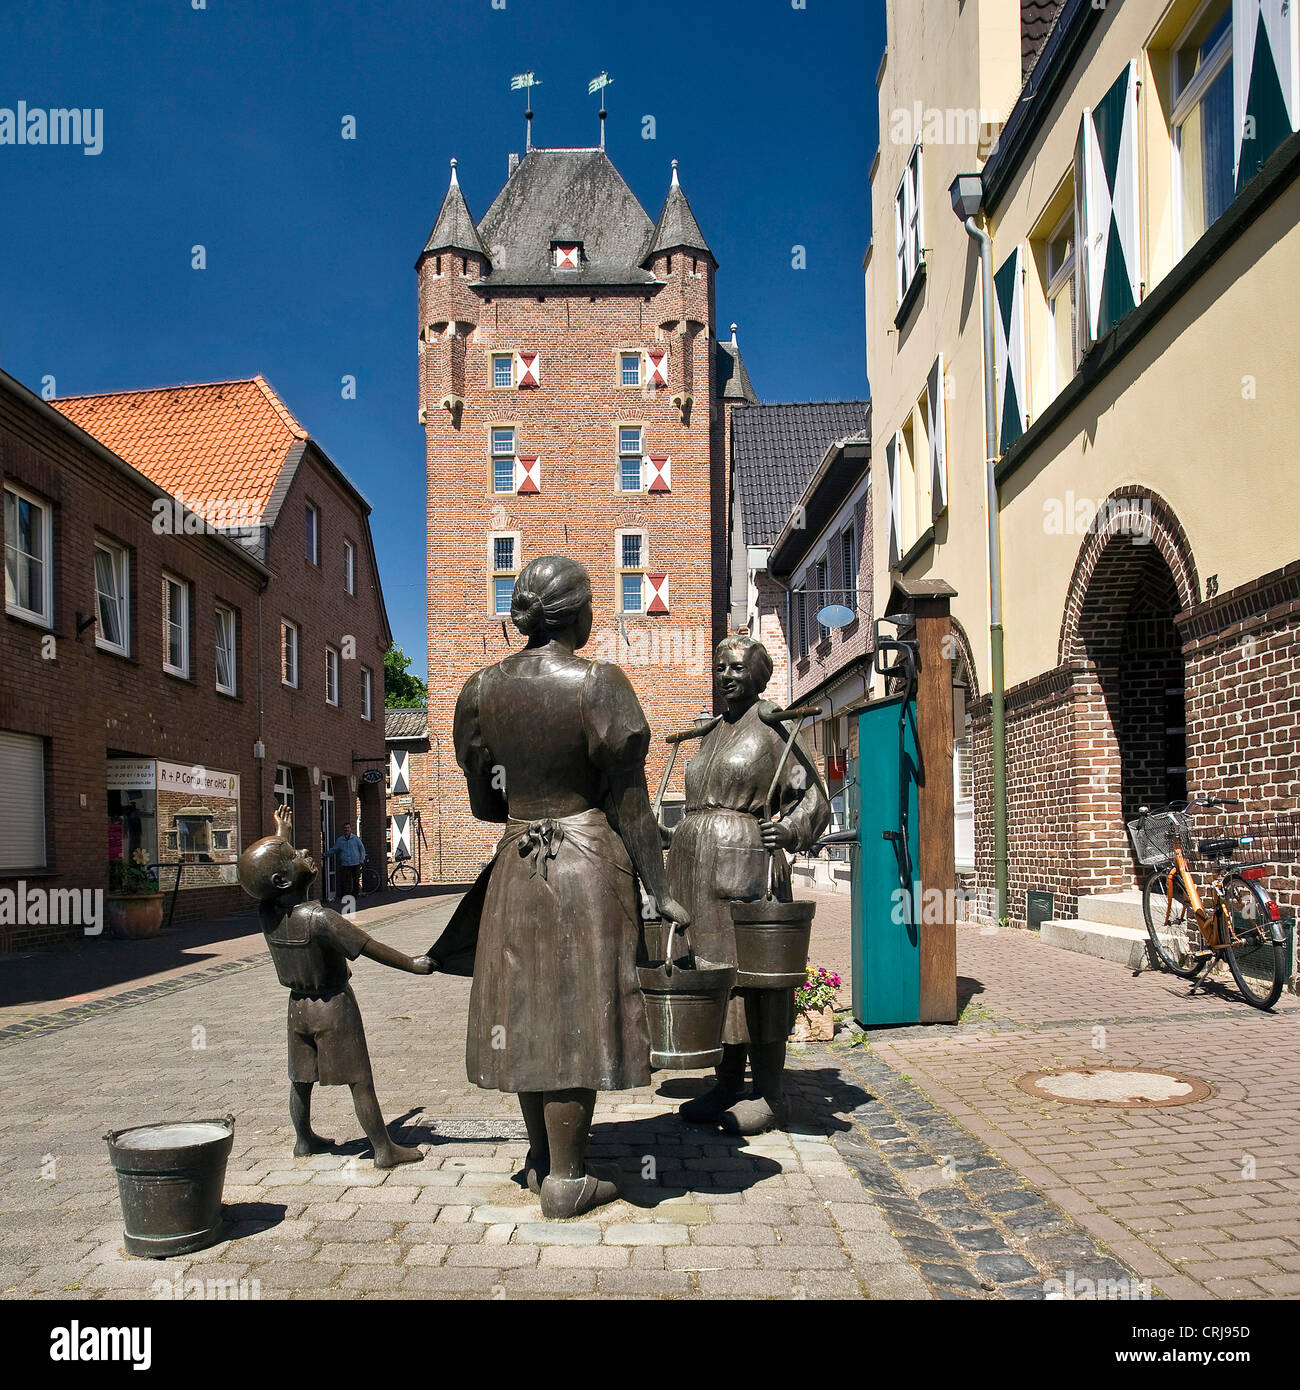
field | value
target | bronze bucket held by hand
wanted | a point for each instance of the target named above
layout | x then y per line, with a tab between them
686	1007
772	940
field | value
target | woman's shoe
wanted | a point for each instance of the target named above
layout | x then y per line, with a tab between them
709	1108
565	1197
754	1116
535	1171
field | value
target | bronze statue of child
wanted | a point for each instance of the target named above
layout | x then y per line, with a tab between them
311	947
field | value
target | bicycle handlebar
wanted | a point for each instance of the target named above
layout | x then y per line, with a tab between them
1180	805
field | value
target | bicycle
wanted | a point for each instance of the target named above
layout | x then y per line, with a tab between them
367	881
1237	918
403	876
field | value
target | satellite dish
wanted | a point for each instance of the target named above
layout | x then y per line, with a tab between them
836	615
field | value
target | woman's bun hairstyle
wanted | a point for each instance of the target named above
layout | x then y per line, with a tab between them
527	611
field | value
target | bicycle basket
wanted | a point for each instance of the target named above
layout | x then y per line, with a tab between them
1155	837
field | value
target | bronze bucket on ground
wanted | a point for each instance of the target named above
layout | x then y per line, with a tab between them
772	941
169	1177
686	1007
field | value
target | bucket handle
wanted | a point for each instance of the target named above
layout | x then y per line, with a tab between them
668	950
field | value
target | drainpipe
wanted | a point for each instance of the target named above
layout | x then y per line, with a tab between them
977	234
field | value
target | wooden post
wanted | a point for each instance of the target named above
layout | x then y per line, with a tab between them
938	874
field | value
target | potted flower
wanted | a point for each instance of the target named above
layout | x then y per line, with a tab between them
816	999
133	901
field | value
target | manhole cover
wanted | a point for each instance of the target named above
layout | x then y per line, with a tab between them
1128	1090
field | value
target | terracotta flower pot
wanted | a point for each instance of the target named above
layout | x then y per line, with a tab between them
814	1025
134	916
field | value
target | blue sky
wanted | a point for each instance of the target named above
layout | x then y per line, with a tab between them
222	128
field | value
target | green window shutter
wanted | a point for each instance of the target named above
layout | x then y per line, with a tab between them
1265	79
936	425
894	501
1009	342
1106	211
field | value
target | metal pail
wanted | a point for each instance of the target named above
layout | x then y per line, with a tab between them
169	1177
686	1008
772	943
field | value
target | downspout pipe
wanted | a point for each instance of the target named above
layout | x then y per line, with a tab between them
996	654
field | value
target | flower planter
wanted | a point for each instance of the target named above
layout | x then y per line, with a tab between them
814	1025
134	916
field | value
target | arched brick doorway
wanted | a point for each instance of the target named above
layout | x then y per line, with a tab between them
1133	575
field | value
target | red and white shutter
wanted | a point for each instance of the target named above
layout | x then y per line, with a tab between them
656	367
566	257
528	369
399	775
658	473
528	474
656	593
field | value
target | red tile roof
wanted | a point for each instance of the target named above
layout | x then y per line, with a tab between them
220	442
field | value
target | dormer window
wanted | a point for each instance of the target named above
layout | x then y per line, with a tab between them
567	255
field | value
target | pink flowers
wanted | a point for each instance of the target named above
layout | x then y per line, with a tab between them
819	989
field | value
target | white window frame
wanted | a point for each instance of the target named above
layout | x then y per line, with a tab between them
288	626
1185	101
121	561
509	359
638	454
224	611
1064	277
168	581
624	354
349	568
622	571
493	573
45	615
497	455
312	524
332	674
367	692
909	227
283	792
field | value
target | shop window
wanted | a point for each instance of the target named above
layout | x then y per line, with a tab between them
194	835
29	528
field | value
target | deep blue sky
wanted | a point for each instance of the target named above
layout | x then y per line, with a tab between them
222	128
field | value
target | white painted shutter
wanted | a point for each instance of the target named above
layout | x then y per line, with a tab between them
655	593
1106	209
1265	79
936	426
528	369
528	474
1009	345
900	243
22	804
401	836
894	500
399	772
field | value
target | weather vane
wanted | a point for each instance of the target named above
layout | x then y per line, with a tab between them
527	81
598	84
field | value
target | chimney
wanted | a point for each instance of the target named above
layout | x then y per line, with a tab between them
512	163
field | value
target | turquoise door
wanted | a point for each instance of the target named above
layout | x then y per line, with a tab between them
886	937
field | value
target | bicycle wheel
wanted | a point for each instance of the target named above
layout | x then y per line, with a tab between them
369	880
403	877
1171	928
1257	961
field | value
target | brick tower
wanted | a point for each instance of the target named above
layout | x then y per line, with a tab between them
575	401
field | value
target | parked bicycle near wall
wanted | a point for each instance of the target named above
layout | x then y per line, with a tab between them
1233	917
403	874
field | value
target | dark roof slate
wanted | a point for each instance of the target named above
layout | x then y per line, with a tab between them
566	195
775	451
732	379
1037	20
677	225
406	723
454	228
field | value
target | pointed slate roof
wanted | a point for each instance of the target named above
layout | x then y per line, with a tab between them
566	195
677	225
732	379
454	228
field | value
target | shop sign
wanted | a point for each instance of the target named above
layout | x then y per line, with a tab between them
131	774
201	781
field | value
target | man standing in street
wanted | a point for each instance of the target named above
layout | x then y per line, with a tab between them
351	854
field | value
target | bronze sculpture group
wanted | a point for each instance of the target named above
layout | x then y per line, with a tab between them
553	748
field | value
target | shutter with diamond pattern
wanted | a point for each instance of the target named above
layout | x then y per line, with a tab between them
529	369
566	257
936	425
1265	79
399	777
401	845
1106	210
528	474
656	593
658	473
1009	311
894	500
656	367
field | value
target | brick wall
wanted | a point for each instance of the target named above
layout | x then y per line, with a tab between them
571	422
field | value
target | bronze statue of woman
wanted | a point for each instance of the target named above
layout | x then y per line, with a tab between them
554	746
720	853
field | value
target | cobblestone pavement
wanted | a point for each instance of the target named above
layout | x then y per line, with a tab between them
893	1184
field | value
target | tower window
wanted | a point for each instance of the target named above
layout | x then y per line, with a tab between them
630	369
503	369
437	265
630	450
504	569
630	552
503	460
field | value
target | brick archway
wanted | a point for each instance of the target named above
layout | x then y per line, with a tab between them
1134	574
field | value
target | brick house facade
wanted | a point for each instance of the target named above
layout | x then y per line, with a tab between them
130	753
575	401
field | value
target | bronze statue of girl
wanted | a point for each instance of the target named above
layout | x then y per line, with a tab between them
554	747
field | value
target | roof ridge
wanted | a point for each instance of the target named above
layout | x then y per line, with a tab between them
285	414
154	390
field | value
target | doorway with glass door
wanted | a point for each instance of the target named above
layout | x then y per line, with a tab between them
328	834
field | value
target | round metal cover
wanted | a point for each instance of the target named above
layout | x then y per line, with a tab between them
836	615
1118	1088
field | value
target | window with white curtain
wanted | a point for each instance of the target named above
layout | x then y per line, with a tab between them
29	589
1203	121
176	625
112	598
223	633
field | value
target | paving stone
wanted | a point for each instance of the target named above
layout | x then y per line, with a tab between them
643	1283
645	1233
1005	1269
559	1233
953	1275
598	1257
492	1256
